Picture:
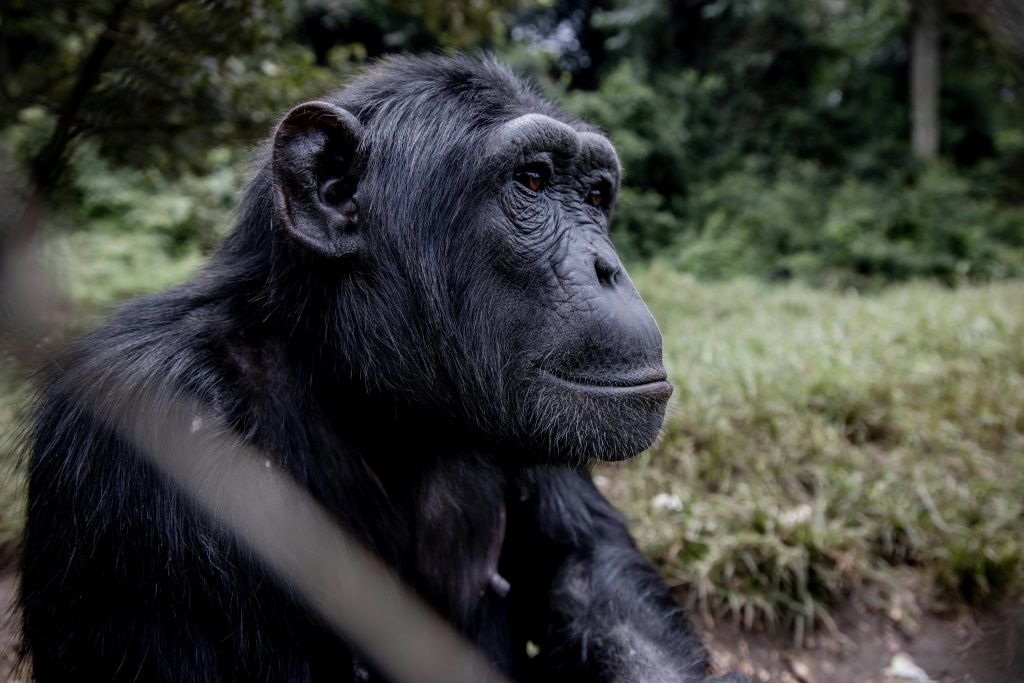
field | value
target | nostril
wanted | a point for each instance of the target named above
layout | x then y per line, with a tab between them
606	270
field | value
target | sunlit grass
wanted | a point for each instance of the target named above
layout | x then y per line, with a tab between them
819	439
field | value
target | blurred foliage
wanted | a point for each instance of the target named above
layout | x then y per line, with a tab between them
146	231
773	139
13	399
850	231
152	82
156	83
757	138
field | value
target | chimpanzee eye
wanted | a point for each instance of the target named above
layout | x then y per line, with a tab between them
532	178
595	197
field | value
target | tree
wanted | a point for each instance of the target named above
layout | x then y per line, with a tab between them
159	82
148	80
925	78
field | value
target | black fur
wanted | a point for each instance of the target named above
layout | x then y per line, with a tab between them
421	341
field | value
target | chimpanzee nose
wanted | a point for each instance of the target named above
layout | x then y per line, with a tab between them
606	269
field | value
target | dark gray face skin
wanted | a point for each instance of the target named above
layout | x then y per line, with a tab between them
599	361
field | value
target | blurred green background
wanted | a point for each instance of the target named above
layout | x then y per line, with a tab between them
841	302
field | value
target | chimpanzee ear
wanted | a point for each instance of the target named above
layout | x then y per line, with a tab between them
315	177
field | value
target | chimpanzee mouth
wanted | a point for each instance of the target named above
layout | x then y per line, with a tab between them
649	382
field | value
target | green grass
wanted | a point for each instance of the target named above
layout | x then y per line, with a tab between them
818	440
12	480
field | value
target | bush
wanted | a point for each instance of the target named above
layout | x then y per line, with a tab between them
850	232
139	231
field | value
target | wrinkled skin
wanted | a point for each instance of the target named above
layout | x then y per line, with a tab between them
596	350
421	320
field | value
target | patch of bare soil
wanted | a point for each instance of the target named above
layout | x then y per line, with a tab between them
870	646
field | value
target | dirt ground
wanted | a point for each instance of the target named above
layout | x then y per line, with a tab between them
957	647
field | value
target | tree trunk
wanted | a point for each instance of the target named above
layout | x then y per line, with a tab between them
925	78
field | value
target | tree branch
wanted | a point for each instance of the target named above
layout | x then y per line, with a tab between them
49	162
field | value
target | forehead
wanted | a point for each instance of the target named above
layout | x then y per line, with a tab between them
536	132
540	130
426	115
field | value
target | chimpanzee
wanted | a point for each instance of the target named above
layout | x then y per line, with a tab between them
420	318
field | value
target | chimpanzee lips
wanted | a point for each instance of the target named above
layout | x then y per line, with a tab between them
646	381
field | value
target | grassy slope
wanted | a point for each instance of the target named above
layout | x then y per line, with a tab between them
818	440
12	508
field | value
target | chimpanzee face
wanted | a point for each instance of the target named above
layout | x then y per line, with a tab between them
481	268
591	357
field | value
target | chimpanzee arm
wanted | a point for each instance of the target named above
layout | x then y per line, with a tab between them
584	595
